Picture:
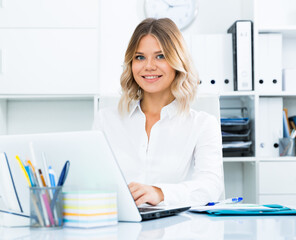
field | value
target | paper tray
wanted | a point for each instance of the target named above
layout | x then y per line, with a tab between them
237	152
243	136
235	124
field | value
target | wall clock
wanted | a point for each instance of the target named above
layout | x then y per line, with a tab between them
182	12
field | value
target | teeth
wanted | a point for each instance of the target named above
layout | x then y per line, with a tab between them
150	77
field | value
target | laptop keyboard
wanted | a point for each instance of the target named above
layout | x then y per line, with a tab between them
143	209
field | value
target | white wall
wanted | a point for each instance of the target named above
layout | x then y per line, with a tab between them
118	20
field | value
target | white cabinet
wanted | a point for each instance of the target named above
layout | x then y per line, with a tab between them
276	23
49	13
49	65
261	176
277	182
277	177
49	61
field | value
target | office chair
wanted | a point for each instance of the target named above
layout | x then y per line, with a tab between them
209	103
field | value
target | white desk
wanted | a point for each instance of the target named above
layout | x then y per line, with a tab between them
183	226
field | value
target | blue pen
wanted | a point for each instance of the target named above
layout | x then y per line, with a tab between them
64	174
61	182
51	176
226	201
29	174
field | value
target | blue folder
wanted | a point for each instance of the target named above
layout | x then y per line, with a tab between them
276	210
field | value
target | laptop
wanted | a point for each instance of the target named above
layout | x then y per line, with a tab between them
93	167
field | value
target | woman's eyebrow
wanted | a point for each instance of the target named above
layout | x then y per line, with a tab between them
154	52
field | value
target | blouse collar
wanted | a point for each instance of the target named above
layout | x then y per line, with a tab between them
169	110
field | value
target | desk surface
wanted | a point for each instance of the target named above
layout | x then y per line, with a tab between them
183	226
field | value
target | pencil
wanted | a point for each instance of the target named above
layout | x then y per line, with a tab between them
23	169
42	178
33	197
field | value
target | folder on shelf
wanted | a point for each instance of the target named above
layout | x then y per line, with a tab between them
270	126
244	209
292	121
242	45
212	57
269	63
286	127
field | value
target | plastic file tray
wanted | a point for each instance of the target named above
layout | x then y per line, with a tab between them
237	152
235	124
242	136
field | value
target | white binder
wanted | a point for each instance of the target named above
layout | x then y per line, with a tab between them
269	71
213	60
8	192
242	42
11	211
289	76
270	126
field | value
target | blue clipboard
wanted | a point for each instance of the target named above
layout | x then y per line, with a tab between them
276	210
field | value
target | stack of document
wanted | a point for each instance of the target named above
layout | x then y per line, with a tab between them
90	209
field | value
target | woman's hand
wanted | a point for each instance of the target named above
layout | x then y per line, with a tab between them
145	193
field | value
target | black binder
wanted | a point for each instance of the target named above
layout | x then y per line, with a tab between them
243	51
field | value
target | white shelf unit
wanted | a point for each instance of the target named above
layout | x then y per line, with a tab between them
24	114
49	65
276	179
247	176
239	159
54	61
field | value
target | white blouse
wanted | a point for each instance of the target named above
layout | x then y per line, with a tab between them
183	156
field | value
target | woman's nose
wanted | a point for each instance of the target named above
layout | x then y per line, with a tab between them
150	64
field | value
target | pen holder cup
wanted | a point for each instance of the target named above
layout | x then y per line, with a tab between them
287	147
46	207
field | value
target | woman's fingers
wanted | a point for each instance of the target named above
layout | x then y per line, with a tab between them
134	187
145	193
138	193
136	190
143	199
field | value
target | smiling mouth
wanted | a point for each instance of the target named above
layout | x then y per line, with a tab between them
151	78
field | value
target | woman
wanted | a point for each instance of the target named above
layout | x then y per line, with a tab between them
168	152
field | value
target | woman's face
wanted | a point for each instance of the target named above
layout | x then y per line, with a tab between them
150	68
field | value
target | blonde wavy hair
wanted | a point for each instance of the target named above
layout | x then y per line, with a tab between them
173	46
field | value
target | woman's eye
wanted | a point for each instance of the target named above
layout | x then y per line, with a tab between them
160	56
139	57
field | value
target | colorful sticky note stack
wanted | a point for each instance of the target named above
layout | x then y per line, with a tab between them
89	209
